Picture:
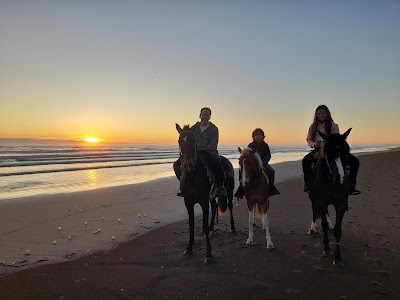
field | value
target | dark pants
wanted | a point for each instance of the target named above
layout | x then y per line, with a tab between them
309	159
213	162
270	173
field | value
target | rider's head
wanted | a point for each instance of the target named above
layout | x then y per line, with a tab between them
258	135
322	114
205	115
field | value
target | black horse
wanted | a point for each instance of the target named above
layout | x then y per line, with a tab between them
331	186
196	187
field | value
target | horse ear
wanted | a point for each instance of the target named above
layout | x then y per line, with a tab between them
346	134
178	128
239	149
324	136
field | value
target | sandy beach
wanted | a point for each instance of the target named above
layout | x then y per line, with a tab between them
127	242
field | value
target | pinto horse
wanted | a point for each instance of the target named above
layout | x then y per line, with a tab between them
196	187
256	191
330	186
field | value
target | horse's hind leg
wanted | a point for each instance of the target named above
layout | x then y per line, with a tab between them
251	222
265	221
338	233
190	210
325	227
206	230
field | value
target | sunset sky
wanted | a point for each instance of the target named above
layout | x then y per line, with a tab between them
127	71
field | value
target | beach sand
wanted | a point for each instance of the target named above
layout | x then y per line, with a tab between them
152	265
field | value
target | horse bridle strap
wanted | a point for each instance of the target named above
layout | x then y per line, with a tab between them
195	148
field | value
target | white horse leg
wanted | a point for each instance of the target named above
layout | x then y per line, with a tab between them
270	245
251	222
328	219
313	228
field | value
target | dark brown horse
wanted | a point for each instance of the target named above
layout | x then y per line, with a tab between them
196	186
331	186
256	191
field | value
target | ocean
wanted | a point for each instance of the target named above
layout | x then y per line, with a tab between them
48	169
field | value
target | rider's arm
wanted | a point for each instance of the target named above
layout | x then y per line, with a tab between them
310	141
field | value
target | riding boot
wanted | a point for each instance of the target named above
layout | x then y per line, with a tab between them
354	164
178	173
272	190
240	192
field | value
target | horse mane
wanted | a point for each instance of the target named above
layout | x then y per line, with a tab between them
247	152
186	127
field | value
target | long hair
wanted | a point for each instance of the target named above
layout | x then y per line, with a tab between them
328	122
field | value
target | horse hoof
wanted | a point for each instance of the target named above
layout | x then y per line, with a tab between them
188	252
249	242
233	231
270	247
312	232
326	253
208	260
338	263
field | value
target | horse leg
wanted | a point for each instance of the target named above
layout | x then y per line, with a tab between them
190	210
251	222
254	217
338	233
328	219
230	206
265	221
214	207
206	230
327	250
313	227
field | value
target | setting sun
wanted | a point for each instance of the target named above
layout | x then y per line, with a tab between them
92	140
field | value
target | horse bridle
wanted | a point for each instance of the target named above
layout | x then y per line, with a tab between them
184	163
339	164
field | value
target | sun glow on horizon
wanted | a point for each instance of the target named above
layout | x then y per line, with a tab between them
92	140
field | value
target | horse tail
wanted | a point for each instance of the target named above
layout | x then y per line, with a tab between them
222	205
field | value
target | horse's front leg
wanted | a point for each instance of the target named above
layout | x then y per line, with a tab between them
230	205
328	219
313	227
324	223
338	233
206	230
265	221
214	208
251	222
190	210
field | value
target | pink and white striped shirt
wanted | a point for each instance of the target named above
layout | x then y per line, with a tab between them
321	127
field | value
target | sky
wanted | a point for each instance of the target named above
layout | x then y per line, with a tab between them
127	71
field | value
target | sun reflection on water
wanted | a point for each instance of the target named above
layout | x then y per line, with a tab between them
92	178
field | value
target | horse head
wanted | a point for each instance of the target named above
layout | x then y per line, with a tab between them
187	148
250	164
335	154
